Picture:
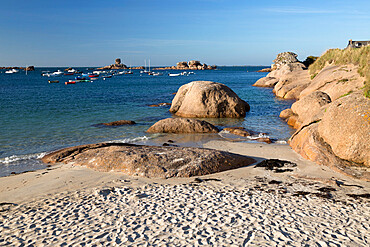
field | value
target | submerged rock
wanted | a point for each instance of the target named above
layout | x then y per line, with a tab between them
182	125
119	123
208	99
149	161
239	131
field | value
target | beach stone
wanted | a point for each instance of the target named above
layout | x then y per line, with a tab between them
149	161
119	123
182	125
208	99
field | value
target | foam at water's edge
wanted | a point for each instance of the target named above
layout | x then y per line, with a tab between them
14	158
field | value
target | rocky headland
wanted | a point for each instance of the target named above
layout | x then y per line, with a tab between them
191	65
331	112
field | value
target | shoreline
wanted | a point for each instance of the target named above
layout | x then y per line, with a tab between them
72	204
56	176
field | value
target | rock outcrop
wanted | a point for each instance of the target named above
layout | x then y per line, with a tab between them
288	78
191	65
285	58
331	114
208	99
335	81
117	65
340	137
149	161
182	125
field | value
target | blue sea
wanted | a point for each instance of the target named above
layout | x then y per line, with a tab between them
37	117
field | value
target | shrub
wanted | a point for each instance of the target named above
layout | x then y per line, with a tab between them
309	60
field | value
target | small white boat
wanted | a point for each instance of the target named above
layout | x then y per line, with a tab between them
71	71
171	74
11	71
57	73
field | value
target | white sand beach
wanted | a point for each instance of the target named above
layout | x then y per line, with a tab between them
67	205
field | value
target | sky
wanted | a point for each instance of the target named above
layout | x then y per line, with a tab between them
221	32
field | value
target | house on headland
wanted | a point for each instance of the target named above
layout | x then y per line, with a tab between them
357	44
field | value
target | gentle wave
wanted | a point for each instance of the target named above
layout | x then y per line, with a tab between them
16	158
132	140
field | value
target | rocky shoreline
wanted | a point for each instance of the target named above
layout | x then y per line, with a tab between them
331	113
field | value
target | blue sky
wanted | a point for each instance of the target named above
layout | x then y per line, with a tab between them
222	32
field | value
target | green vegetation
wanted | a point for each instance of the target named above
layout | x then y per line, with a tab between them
310	60
357	56
313	76
343	80
346	94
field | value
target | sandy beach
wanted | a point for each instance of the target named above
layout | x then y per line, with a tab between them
66	205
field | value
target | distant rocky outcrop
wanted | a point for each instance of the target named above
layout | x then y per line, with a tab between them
29	68
117	65
191	65
149	161
139	67
182	125
208	99
265	70
331	114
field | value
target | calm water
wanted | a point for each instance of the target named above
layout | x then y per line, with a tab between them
38	117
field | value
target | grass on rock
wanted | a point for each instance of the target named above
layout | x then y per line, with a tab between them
357	56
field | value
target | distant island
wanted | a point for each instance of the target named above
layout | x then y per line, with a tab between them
29	68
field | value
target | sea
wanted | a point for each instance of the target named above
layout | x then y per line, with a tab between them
37	117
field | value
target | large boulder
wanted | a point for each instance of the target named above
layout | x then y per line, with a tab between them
208	99
293	79
182	125
339	136
345	126
182	65
307	107
149	161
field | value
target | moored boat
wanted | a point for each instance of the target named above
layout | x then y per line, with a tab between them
93	75
55	81
70	82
